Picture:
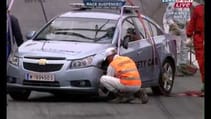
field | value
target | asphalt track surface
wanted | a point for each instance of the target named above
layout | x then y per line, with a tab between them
48	106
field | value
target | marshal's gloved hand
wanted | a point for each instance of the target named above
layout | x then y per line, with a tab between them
174	29
189	42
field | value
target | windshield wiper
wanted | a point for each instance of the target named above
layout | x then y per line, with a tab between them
73	33
101	28
66	29
42	39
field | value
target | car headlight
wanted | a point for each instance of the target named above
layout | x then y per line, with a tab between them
82	62
14	60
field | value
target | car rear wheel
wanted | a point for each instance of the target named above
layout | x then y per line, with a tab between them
166	79
20	95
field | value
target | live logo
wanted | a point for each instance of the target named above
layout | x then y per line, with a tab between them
182	4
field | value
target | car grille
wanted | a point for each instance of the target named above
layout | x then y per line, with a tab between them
42	68
41	83
47	58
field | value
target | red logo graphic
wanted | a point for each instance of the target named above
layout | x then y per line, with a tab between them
183	3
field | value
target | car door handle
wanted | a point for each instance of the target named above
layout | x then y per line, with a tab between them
139	52
159	46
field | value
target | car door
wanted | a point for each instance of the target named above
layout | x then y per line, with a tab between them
160	47
140	50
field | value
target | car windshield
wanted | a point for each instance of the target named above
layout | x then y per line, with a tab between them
79	30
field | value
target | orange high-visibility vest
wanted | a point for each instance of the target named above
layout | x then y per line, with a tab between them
126	71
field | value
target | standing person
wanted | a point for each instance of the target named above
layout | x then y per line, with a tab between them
195	29
14	35
175	20
122	78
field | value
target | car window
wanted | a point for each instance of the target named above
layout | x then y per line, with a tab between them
140	26
154	30
79	30
130	30
158	30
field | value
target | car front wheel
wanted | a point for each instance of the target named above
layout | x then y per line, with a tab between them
166	79
20	95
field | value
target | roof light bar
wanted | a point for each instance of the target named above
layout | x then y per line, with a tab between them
104	3
78	5
132	7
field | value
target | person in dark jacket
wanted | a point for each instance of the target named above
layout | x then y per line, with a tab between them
13	33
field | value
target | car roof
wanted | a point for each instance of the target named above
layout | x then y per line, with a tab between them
87	14
109	14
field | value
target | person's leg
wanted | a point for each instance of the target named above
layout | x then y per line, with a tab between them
127	93
111	83
133	92
131	89
183	50
200	58
199	53
178	46
183	56
113	86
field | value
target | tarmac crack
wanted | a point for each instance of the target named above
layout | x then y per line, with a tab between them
164	109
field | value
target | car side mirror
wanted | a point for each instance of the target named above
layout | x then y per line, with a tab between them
30	34
125	41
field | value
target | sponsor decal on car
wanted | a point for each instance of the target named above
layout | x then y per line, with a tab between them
147	62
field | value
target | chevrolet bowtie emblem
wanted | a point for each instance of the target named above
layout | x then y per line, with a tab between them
42	62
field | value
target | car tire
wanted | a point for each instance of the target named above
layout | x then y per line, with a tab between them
166	79
20	95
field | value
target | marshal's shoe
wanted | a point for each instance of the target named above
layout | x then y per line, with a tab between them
141	94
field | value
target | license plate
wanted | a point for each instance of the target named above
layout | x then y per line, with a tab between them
40	77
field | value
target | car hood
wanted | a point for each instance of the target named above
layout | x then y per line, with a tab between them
69	50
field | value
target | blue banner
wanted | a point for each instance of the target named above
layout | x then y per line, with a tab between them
104	3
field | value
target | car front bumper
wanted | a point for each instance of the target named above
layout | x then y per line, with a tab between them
73	81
